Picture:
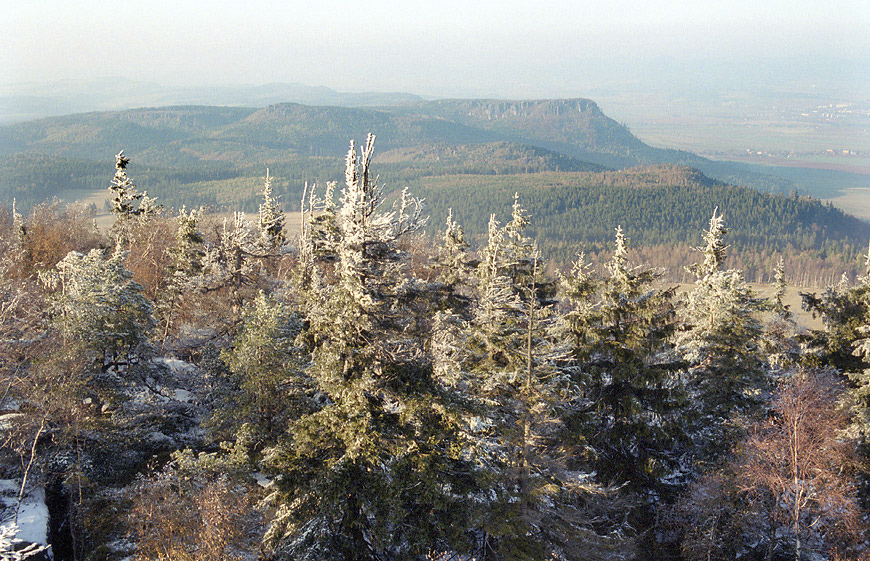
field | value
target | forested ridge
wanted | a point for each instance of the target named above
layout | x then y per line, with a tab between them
567	135
660	205
579	172
204	386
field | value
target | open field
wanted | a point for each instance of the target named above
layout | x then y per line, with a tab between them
804	319
855	201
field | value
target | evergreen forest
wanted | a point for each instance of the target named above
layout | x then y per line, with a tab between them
392	379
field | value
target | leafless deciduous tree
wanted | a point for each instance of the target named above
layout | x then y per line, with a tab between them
798	457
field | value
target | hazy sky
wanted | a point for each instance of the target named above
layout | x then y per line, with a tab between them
450	47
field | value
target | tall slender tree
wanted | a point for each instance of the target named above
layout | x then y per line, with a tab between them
270	219
726	375
370	472
620	327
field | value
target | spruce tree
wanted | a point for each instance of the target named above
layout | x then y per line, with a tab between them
229	265
506	357
848	316
779	344
129	207
266	389
96	303
186	265
373	471
619	328
720	343
270	219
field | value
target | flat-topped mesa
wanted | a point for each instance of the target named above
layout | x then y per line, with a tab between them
493	109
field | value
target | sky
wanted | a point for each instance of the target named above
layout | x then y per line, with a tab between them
447	48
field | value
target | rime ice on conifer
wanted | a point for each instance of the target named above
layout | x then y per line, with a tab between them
126	202
451	258
97	303
124	195
721	338
714	248
366	364
619	328
128	206
270	219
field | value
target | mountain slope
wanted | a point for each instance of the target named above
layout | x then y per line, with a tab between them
578	211
476	151
163	137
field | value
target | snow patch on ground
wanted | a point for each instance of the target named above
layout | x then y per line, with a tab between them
32	516
262	480
7	421
176	365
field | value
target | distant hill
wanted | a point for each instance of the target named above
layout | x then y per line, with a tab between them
580	172
198	135
656	205
579	129
27	102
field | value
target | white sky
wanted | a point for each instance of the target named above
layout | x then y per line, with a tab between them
449	47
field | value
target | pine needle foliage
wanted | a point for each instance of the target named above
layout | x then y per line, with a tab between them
620	328
373	471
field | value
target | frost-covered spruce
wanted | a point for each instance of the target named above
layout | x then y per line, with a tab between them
367	470
185	268
779	345
96	302
127	205
270	219
720	338
847	315
230	264
619	329
506	357
451	259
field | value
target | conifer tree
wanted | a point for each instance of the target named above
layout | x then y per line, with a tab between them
125	199
451	260
265	363
270	219
619	328
779	343
130	207
367	472
96	303
186	265
720	341
229	264
855	308
506	356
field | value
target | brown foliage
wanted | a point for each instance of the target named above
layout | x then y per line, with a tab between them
51	232
149	259
799	458
789	489
180	518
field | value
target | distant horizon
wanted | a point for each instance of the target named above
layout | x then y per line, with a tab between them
502	49
834	77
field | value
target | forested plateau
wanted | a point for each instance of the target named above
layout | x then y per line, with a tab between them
195	385
579	173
